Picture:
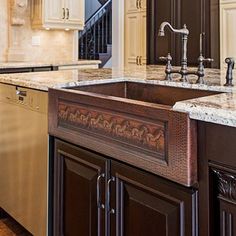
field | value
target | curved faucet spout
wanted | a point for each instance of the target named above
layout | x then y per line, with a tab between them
184	31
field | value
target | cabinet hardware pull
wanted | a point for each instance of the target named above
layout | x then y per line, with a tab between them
21	93
137	4
63	13
99	204
108	192
137	60
68	13
140	4
140	61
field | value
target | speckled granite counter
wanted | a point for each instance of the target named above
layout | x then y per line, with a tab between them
10	65
220	109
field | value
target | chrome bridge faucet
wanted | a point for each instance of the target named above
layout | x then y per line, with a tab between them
184	61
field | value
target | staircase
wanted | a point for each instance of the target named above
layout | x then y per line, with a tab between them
95	41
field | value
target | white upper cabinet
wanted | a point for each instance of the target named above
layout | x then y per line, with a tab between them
54	11
227	30
58	14
135	33
75	11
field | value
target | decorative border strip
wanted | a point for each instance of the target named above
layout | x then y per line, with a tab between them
138	132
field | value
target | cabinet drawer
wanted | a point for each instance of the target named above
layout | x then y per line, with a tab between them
220	144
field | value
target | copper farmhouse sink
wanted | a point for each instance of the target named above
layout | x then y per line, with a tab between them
132	122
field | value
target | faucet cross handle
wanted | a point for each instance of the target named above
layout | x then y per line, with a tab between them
168	69
201	68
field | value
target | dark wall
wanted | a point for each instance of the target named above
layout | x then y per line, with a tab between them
199	15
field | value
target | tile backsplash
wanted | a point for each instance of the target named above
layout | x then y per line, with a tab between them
22	43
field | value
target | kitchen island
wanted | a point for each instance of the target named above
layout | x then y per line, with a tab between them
83	174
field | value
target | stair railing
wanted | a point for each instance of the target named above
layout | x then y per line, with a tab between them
97	33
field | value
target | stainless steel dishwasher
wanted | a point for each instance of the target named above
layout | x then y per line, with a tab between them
23	156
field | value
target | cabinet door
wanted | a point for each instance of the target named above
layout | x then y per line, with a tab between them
78	185
223	199
75	12
54	12
132	38
227	31
143	37
199	15
131	6
145	204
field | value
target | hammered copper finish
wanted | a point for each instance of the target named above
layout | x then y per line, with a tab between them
137	133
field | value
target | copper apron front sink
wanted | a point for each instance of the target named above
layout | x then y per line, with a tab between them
132	122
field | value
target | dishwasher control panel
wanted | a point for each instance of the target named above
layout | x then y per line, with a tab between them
29	98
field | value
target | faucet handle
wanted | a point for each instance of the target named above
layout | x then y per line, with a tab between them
202	59
168	69
168	58
201	68
208	60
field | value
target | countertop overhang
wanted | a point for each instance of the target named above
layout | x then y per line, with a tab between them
219	109
12	65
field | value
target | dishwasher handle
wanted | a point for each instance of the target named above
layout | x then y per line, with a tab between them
21	93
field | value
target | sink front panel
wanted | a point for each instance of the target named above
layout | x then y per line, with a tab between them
148	136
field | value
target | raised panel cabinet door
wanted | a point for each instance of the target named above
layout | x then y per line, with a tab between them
54	11
227	31
132	38
75	12
131	6
143	37
145	204
78	192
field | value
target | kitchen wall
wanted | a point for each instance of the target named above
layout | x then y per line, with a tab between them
4	29
90	7
16	41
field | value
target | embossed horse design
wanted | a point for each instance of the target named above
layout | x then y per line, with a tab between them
157	139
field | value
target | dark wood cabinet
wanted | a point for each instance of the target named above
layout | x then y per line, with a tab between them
123	201
148	205
217	180
224	211
75	191
201	16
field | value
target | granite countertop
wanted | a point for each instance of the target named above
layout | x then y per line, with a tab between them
10	65
219	109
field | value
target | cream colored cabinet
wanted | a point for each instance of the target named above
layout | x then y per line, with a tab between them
58	14
227	29
135	32
53	14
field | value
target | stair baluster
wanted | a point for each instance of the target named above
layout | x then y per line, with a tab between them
96	37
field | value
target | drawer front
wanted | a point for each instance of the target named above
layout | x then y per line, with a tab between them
220	144
158	140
